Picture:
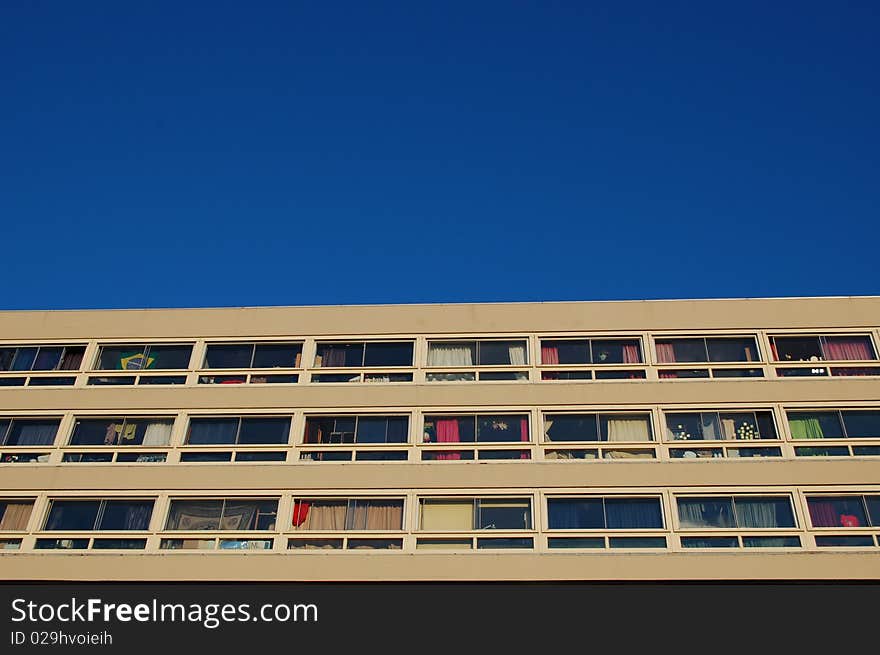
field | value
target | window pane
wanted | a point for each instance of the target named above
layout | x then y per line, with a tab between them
122	358
374	515
48	358
848	348
705	513
449	429
797	349
502	428
739	425
445	514
229	355
72	515
147	432
732	350
329	429
7	355
565	352
512	514
763	512
625	427
873	503
339	354
388	354
169	357
616	351
126	515
212	430
571	427
864	423
249	515
381	429
502	352
277	355
815	425
575	513
680	350
691	426
96	432
456	353
14	514
24	359
836	511
264	431
194	515
633	513
32	432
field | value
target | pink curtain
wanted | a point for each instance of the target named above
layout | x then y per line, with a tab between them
822	514
631	354
549	355
773	348
665	353
668	375
524	435
447	432
847	349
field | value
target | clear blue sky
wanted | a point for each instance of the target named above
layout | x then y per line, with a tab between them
163	154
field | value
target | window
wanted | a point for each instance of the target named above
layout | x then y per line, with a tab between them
477	353
222	514
707	349
356	429
713	426
364	354
142	357
844	511
591	351
343	514
41	358
480	428
253	355
123	431
604	513
736	512
466	514
28	431
244	430
835	424
70	515
15	513
819	348
598	427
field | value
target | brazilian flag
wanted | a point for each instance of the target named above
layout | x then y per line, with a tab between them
135	361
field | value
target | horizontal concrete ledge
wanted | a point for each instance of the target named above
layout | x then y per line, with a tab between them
378	567
272	478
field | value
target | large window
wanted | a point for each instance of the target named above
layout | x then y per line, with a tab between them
130	357
365	429
477	353
835	424
15	513
713	426
241	430
253	355
735	512
122	431
222	514
364	354
466	514
345	514
604	513
28	431
477	428
598	427
854	511
98	514
817	348
41	358
707	349
590	351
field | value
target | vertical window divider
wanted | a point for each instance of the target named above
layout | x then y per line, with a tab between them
99	517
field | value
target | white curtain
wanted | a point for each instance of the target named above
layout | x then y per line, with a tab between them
628	429
448	354
158	434
517	355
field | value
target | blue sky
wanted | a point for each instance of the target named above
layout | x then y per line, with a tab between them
284	153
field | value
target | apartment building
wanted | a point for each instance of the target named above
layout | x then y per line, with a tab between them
648	440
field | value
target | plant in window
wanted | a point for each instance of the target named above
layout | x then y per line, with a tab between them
746	430
680	432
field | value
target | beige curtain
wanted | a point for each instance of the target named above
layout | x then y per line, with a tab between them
628	429
16	515
447	515
448	354
324	515
728	428
158	434
375	515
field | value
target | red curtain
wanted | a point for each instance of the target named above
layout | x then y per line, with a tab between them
847	349
665	353
447	432
524	436
300	512
549	355
631	354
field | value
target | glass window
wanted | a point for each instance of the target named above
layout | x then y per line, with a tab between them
737	511
99	515
710	349
504	514
815	425
15	513
598	427
478	353
41	358
371	353
122	432
817	348
277	355
340	514
388	354
604	513
28	432
264	430
719	425
236	355
844	511
222	514
240	430
861	423
139	357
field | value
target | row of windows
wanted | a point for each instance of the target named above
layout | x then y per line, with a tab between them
593	514
459	353
448	428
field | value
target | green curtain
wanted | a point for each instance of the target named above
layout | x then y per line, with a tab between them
806	428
